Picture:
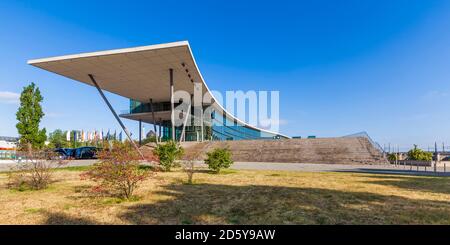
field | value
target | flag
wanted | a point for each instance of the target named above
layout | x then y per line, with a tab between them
75	136
68	135
82	136
115	135
120	136
107	135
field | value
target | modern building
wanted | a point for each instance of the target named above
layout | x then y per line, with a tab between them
8	143
8	147
148	76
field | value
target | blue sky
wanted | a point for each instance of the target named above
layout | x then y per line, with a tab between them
341	66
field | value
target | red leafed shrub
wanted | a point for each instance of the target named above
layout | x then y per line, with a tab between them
118	171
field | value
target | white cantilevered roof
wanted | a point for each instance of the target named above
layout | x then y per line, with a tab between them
138	73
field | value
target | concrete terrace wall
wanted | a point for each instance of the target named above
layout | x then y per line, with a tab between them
321	150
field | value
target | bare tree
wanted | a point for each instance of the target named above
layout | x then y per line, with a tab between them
189	164
34	170
189	169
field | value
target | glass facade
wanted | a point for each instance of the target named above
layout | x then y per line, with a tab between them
219	128
139	107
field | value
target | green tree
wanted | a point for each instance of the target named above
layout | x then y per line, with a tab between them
219	158
29	116
392	157
167	153
58	139
419	155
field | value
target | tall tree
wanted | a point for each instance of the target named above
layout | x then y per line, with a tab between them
29	116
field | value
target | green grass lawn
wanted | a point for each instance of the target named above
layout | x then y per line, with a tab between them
237	197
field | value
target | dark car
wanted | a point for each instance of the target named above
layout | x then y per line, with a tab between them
64	153
69	152
87	152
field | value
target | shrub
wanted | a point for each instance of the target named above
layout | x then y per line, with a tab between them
419	155
218	158
149	139
167	153
34	171
392	157
118	171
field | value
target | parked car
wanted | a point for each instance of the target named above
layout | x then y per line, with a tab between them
64	153
87	152
69	152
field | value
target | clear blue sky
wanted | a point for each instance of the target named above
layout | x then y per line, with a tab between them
340	66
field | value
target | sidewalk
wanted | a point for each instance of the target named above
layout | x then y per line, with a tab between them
5	165
303	167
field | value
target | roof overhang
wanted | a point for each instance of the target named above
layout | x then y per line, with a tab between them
137	73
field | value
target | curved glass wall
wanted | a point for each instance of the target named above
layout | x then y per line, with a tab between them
220	127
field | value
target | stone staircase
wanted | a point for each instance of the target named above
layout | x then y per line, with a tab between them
322	150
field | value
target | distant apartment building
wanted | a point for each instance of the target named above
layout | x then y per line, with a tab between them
8	147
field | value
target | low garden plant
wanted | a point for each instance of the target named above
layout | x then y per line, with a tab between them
167	153
218	159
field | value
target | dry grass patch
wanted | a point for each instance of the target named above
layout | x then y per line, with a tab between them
237	197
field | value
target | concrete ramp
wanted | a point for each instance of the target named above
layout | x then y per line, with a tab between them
356	150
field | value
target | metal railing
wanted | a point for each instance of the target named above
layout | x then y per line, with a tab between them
364	134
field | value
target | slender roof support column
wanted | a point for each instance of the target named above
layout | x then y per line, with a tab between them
201	121
198	107
154	121
188	114
115	115
140	132
159	130
172	109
